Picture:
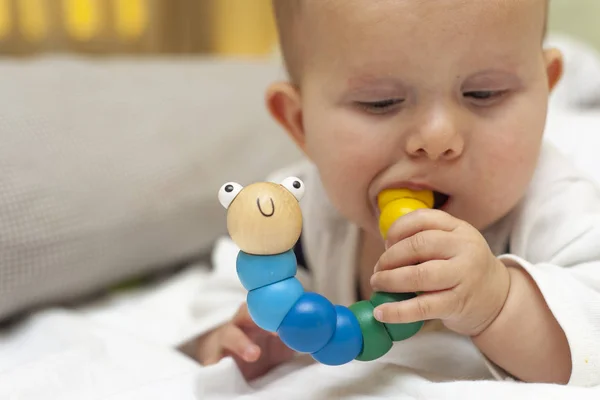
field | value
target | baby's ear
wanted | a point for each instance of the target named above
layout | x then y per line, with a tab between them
285	105
554	66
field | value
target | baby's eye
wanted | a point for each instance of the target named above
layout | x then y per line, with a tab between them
381	106
484	96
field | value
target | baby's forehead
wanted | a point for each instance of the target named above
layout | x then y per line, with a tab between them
310	26
413	12
418	22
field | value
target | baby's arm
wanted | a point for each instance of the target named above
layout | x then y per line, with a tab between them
548	327
525	339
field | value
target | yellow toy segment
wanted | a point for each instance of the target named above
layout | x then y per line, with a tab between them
389	195
395	203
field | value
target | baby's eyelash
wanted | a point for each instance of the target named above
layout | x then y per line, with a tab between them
381	105
484	94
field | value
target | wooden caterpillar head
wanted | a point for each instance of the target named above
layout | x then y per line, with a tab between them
264	218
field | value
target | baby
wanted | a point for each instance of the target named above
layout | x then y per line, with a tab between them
449	96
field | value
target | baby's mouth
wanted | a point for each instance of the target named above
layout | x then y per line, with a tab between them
440	200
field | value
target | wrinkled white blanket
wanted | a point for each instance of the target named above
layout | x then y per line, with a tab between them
373	381
124	347
121	347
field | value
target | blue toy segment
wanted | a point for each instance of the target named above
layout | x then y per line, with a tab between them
255	271
309	325
269	305
346	343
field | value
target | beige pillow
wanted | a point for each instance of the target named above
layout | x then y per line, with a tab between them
111	168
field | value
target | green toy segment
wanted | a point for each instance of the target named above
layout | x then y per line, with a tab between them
397	332
376	340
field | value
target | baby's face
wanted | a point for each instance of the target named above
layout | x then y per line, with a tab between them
447	95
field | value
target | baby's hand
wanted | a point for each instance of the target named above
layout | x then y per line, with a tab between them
462	283
255	350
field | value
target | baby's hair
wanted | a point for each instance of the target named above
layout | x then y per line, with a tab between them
286	17
287	14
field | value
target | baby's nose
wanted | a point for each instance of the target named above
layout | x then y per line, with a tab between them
438	138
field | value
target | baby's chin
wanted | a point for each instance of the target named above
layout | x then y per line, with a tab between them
467	213
479	217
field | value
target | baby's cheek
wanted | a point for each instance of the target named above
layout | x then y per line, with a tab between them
349	151
345	179
346	174
504	173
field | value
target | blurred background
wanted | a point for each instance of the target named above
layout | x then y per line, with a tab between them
136	26
225	27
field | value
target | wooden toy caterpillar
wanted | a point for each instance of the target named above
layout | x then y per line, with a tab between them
265	221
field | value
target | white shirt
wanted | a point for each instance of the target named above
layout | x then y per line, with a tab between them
554	235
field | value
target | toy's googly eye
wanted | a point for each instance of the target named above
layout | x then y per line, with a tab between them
295	186
228	193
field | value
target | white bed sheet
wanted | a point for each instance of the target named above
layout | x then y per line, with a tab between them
124	346
120	347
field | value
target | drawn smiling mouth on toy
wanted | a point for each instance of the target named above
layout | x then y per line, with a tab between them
261	210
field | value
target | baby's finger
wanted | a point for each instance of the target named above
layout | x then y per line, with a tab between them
242	315
208	350
418	248
428	306
237	342
212	358
426	277
419	221
243	319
